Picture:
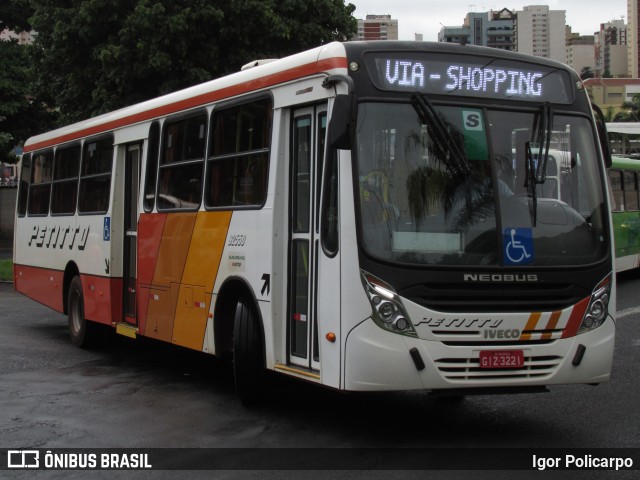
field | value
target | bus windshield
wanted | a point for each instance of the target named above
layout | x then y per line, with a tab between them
462	185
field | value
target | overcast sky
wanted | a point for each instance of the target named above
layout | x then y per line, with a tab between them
428	16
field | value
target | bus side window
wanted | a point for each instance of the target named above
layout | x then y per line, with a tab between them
630	188
238	162
40	188
95	176
66	168
181	163
25	178
152	167
615	177
330	225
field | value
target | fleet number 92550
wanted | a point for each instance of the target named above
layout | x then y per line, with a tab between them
237	240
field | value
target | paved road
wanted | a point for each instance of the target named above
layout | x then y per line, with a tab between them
144	394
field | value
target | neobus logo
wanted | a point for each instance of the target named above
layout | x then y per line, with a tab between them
500	277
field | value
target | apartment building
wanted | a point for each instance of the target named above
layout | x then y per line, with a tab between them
541	32
490	29
633	26
535	30
581	52
377	27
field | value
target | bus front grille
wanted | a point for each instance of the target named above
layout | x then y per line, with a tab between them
468	369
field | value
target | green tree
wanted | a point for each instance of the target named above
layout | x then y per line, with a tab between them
12	74
22	114
14	14
609	115
630	111
93	56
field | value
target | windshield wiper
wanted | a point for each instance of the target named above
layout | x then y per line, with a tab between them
530	182
537	156
544	124
448	147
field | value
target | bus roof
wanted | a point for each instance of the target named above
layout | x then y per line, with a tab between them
327	59
330	59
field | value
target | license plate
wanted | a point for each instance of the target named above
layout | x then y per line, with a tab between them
501	359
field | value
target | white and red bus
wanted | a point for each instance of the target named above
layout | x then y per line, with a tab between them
365	216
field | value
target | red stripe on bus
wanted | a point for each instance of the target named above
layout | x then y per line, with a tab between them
576	318
197	101
44	285
150	228
102	298
102	295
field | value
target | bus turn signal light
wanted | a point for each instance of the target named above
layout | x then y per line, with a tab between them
331	337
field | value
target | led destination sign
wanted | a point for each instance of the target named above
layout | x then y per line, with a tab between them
460	75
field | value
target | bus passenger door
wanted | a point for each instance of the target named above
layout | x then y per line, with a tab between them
305	173
129	267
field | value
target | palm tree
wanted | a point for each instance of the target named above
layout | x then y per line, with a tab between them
586	73
631	111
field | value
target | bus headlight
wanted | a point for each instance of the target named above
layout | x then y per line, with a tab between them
387	309
598	306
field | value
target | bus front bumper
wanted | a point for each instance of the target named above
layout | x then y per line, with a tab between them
377	360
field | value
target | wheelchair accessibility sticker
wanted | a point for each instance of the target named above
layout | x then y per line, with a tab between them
517	244
106	231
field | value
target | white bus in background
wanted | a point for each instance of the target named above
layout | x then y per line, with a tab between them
350	216
8	175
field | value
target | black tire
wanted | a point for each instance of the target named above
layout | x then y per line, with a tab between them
248	354
82	332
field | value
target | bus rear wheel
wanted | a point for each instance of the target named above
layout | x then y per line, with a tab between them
248	354
82	332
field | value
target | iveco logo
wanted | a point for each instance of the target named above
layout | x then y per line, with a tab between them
509	333
500	277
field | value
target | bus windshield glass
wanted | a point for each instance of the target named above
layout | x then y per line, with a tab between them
455	185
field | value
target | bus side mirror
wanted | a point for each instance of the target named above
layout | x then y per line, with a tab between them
603	136
341	125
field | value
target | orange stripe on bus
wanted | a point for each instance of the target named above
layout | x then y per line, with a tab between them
197	101
164	291
205	250
174	248
200	272
551	325
531	325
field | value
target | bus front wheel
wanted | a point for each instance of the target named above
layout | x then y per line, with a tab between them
81	331
248	354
